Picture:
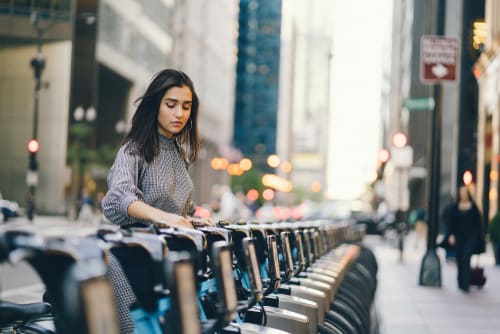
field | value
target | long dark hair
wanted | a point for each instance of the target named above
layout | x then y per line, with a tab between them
144	131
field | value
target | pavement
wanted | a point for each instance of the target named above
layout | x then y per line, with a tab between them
405	307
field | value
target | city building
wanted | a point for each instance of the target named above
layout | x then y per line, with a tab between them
99	57
257	79
457	97
486	37
205	34
304	103
42	38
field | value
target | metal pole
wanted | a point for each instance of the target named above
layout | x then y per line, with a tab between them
430	270
38	64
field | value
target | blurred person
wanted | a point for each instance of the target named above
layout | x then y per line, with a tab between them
149	181
466	234
420	226
494	234
98	207
445	216
86	212
243	209
228	204
30	205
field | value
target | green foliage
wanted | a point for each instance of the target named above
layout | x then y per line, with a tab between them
494	228
80	131
300	194
106	154
248	180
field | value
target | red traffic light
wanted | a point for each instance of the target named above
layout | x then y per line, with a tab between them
384	155
399	139
33	146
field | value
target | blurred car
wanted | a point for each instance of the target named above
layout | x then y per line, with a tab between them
8	209
366	218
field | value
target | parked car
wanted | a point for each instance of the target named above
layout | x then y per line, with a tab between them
366	218
8	209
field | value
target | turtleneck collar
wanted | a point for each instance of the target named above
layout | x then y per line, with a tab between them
164	141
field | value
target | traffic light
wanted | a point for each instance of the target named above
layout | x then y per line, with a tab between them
33	147
399	139
383	157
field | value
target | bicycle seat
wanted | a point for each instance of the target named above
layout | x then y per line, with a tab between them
11	313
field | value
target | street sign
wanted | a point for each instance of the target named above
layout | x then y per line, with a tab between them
422	103
438	58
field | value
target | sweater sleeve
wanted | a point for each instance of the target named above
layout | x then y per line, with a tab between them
122	188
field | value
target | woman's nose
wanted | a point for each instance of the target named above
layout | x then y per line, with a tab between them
178	110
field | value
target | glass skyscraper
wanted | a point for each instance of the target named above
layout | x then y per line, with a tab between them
256	102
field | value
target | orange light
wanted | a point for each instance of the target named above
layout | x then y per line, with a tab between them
253	195
234	169
399	139
33	146
268	194
467	177
384	155
218	163
273	161
286	167
316	187
246	164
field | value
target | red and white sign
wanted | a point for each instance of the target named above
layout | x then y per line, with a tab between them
438	58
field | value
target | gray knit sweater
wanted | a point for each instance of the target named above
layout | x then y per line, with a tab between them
164	183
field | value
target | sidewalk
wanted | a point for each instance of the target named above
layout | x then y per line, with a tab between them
405	307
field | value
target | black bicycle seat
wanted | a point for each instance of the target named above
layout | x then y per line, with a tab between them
11	313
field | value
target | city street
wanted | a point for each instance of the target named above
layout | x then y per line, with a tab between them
402	305
405	307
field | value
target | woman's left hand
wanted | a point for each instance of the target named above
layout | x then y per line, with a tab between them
202	222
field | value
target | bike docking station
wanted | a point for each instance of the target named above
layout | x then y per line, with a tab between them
302	277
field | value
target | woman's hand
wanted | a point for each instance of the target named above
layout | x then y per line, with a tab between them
174	221
202	222
451	240
160	218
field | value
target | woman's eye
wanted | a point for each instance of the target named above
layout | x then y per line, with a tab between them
187	107
171	105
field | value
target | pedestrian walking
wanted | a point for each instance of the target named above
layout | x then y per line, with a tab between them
494	234
30	205
420	227
446	219
149	181
466	234
86	211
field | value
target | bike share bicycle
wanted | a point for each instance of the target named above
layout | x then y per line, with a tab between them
72	270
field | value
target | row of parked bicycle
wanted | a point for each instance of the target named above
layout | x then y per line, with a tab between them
288	277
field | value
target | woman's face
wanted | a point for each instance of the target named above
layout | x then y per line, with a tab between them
174	111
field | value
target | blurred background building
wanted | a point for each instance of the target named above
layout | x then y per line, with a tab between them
99	57
265	72
257	79
459	133
304	112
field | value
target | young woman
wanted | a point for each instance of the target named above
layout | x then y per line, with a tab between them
466	234
149	181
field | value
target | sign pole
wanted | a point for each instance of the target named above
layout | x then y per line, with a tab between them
430	270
